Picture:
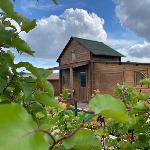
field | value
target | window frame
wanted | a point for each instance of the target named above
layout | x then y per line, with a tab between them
142	72
73	55
83	84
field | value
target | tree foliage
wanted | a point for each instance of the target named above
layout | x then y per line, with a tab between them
31	118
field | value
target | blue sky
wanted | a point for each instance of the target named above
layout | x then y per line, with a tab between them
44	8
120	35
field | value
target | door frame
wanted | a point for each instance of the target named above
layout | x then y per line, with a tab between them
80	88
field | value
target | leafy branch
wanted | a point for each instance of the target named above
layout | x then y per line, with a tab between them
66	136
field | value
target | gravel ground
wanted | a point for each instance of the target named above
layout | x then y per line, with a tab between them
83	106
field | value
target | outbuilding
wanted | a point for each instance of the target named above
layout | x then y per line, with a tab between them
87	65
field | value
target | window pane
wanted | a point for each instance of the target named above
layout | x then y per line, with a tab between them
83	79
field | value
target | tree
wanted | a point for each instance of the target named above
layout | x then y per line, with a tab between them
31	118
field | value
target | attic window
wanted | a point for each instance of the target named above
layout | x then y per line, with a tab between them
73	56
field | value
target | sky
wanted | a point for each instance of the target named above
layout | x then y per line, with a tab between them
121	24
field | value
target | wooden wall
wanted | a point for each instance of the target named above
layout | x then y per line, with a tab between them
106	58
81	54
55	83
106	76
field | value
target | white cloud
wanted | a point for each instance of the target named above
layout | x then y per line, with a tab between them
137	52
134	14
120	43
135	59
51	34
140	50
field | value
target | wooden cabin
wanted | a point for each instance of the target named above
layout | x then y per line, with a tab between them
87	65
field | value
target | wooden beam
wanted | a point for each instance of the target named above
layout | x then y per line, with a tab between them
91	77
71	81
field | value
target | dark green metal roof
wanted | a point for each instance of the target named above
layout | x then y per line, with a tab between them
98	48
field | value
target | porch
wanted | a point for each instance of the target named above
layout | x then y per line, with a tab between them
77	78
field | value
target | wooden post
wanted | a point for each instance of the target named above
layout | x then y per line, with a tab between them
91	77
71	81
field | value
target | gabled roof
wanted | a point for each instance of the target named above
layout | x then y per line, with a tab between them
98	48
95	47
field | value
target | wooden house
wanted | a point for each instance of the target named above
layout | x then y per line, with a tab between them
87	65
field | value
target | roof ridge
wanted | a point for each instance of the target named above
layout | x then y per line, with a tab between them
97	47
87	39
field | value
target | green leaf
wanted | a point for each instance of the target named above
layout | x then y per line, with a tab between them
8	24
37	72
47	87
10	57
3	84
109	107
25	24
18	130
26	88
40	74
84	139
55	1
21	45
43	98
35	107
10	39
139	107
6	37
6	6
145	81
28	25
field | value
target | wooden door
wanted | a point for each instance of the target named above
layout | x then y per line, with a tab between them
83	78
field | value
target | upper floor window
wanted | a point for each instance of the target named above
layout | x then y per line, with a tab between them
139	75
73	56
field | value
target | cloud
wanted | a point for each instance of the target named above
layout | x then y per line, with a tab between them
134	15
136	53
120	43
140	50
52	33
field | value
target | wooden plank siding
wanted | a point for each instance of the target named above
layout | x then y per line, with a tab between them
106	76
56	86
81	54
105	58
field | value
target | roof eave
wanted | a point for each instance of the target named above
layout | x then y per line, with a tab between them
108	55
